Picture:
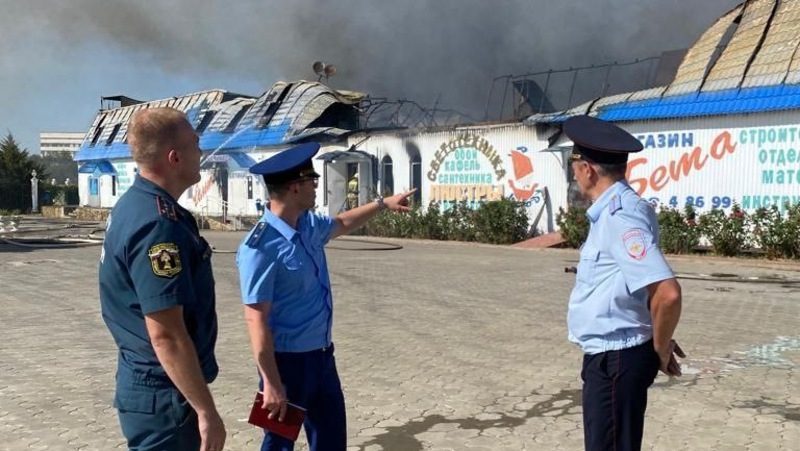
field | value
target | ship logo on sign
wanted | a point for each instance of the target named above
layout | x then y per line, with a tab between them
522	184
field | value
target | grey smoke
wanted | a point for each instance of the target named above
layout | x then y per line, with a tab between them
416	49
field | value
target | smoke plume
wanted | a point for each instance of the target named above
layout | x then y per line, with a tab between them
426	50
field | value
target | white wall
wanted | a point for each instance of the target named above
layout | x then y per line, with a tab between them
83	189
753	160
477	163
108	196
237	193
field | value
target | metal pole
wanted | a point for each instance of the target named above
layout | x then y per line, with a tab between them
572	88
605	82
544	92
503	103
488	101
652	72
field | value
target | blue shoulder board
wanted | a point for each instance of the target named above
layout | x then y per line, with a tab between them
255	235
166	208
615	204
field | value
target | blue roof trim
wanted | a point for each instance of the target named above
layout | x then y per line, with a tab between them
712	103
243	139
115	150
271	136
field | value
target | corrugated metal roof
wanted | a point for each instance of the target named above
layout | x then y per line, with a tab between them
610	100
696	63
562	115
651	93
758	70
774	58
729	70
282	115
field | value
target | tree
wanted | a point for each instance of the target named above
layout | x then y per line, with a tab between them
59	167
15	175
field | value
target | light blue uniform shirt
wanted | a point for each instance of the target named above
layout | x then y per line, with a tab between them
287	267
608	308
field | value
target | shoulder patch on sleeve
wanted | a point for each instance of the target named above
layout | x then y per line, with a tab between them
255	235
633	240
165	259
166	208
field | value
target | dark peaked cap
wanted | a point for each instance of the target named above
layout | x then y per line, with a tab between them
600	141
291	164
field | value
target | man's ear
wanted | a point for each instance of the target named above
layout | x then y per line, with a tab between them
593	174
172	156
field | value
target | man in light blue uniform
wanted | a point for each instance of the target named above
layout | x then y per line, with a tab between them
626	302
286	290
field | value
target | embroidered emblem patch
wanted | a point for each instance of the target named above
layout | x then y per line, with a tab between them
165	259
634	244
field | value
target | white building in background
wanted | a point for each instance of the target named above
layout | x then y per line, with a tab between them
60	143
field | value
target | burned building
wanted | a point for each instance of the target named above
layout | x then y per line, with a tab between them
721	130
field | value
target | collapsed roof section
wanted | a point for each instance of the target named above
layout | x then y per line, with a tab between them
746	62
287	113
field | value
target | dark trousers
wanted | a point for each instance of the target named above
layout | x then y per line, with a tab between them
312	382
615	397
155	418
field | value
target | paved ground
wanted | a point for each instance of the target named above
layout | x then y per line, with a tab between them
440	346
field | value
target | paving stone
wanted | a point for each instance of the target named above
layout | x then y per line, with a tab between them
440	346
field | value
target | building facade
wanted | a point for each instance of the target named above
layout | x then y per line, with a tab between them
724	131
60	143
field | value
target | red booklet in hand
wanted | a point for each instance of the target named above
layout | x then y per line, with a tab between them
288	428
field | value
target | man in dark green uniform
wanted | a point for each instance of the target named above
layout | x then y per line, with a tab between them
157	295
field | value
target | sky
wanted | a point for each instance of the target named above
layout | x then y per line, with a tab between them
57	58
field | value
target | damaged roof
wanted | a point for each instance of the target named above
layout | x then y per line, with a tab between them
746	62
287	113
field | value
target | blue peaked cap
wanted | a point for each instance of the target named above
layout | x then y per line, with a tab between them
288	165
600	141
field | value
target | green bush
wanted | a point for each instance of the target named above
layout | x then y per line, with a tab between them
459	223
775	235
573	225
727	233
505	221
429	224
383	224
679	231
499	222
58	194
792	248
